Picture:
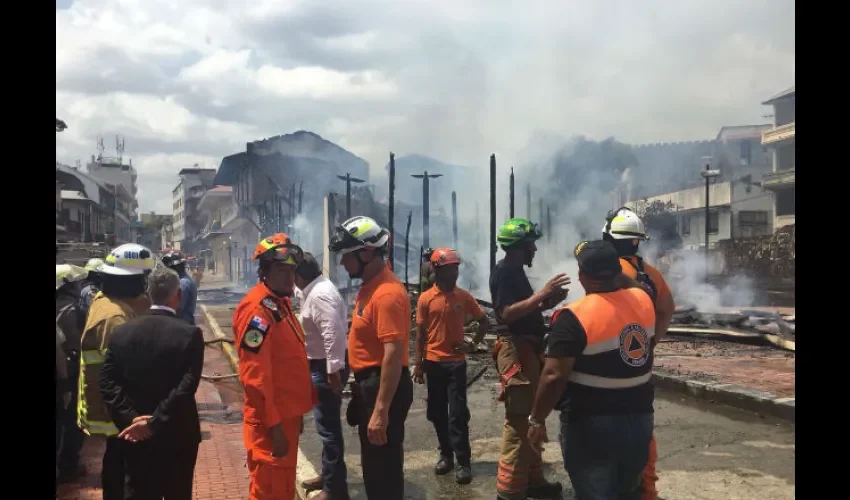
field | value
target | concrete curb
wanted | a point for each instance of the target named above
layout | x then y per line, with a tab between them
305	469
765	403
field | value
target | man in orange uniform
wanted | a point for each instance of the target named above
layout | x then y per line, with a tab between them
273	371
440	316
625	230
378	347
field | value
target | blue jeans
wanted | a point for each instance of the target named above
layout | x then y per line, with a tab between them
606	454
328	419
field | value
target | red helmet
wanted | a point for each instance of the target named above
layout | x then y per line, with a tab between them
444	257
278	247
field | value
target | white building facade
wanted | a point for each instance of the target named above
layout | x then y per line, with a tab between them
185	197
780	140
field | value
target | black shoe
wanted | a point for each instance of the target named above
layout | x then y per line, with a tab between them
444	465
545	490
463	474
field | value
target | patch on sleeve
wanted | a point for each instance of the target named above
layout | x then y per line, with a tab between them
253	340
270	304
259	324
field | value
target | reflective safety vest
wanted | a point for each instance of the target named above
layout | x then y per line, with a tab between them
105	314
619	326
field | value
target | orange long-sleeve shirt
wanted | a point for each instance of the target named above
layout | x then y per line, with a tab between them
273	366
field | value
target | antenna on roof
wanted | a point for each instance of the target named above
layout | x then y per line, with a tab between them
119	148
100	148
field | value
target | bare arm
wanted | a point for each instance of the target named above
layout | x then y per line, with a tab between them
390	375
517	310
664	310
553	381
419	346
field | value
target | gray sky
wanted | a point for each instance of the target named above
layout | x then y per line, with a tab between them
191	81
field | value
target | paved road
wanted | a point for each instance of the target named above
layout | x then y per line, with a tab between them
712	453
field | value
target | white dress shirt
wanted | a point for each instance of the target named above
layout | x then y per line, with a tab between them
325	322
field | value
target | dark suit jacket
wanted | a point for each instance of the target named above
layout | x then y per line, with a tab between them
153	367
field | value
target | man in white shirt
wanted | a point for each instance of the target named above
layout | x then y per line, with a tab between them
324	318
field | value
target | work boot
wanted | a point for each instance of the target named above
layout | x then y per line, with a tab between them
463	474
545	490
444	465
313	484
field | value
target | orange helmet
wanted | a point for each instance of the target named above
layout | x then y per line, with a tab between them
278	247
444	257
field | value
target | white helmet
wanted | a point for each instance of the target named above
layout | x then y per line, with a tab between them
357	233
624	224
128	260
69	273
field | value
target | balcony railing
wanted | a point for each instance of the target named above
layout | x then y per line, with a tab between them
229	214
779	134
779	180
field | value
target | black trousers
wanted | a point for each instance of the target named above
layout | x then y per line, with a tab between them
112	474
72	436
160	468
383	466
447	407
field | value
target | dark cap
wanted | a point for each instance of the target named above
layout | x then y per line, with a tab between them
598	259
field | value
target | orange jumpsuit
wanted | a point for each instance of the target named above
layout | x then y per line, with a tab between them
275	376
628	265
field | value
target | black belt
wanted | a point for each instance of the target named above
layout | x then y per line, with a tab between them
376	371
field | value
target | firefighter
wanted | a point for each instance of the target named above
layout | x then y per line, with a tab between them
378	347
519	357
123	296
273	370
188	289
440	315
625	230
597	372
71	321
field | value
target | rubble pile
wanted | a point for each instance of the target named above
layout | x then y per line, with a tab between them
757	321
770	256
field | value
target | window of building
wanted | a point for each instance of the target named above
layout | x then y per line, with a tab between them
785	202
746	152
752	218
686	225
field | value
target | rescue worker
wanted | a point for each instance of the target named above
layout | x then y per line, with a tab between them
518	357
90	286
597	372
378	347
273	370
188	289
625	230
440	316
123	296
71	321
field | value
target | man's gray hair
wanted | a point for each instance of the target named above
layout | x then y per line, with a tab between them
162	284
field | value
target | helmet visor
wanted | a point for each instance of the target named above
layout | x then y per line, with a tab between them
343	240
289	253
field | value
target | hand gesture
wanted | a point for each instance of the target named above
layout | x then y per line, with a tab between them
556	284
536	437
138	431
335	381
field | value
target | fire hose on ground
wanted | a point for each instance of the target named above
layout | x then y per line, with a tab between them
217	376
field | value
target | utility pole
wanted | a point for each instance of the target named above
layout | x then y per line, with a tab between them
425	203
407	250
528	201
492	212
348	180
708	174
392	208
512	193
454	220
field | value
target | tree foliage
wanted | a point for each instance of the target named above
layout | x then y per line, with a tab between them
661	223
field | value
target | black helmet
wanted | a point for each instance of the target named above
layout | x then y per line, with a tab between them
173	259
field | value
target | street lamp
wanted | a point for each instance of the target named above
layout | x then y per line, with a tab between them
708	174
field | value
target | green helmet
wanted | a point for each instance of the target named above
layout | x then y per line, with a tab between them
518	231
